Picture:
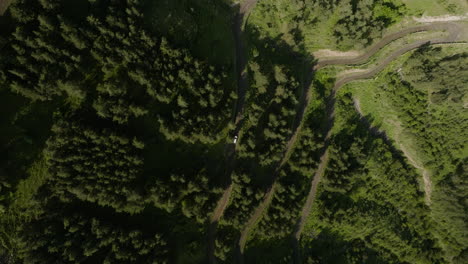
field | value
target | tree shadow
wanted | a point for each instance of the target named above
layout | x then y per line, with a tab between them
275	52
269	53
329	247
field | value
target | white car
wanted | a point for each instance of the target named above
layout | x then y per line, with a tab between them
235	139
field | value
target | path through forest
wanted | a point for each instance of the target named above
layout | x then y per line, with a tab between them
230	149
268	197
256	216
454	31
297	127
4	5
241	63
425	173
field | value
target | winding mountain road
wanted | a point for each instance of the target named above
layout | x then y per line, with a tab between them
241	62
453	29
258	213
454	32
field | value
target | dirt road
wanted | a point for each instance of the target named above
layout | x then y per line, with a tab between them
296	127
258	213
454	31
452	28
230	150
254	219
241	60
214	219
4	5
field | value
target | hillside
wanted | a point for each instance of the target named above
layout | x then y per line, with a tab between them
220	131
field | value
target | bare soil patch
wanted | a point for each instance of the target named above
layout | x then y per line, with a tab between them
4	5
324	53
445	18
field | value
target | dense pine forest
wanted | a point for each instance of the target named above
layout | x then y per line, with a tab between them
138	131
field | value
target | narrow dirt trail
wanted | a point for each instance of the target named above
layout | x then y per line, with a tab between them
254	218
374	130
230	149
454	30
425	173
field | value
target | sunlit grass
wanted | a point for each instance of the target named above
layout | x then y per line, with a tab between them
436	7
